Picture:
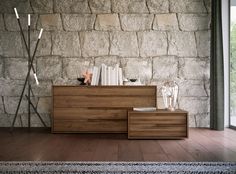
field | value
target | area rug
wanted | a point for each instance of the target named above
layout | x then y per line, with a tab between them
118	167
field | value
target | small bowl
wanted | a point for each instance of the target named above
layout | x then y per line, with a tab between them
133	80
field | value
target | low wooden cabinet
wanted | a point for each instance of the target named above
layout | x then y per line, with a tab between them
97	109
160	124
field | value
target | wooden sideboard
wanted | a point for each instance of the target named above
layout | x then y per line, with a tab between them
159	124
97	109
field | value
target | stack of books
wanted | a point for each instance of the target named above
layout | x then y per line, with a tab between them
107	75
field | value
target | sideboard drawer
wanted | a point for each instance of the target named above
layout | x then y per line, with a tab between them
156	131
84	113
160	124
90	126
100	101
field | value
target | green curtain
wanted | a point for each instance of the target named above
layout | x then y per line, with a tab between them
216	69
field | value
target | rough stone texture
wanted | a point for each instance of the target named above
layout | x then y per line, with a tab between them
193	22
154	40
16	68
51	22
193	68
10	87
165	22
11	105
22	6
152	43
195	105
194	88
66	44
187	6
124	44
165	68
71	6
49	68
78	22
44	47
100	6
94	43
44	105
12	24
136	22
182	44
208	5
107	22
6	120
1	106
2	72
74	68
35	121
42	6
108	60
10	44
61	81
135	68
158	6
44	88
203	120
129	6
2	27
203	43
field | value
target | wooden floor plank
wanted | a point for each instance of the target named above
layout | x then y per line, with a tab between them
41	145
174	151
218	149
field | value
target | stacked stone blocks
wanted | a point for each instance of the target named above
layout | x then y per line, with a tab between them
154	40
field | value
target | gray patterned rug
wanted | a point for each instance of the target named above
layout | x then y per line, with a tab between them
118	167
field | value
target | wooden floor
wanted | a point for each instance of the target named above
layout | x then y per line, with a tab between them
41	145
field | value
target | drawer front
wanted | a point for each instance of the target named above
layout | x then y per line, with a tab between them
150	120
90	126
101	101
157	125
84	113
159	132
105	90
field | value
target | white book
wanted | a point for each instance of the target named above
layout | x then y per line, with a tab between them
113	76
109	75
98	75
103	75
145	109
120	76
94	76
117	74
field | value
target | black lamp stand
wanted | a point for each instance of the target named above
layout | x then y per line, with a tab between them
27	79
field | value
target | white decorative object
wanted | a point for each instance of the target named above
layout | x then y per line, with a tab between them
170	91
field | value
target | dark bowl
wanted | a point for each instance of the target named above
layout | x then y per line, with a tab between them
133	80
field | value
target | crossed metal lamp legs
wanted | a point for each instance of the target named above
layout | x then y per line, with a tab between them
27	80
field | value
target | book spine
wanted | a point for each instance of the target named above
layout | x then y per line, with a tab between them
120	77
109	76
98	75
93	82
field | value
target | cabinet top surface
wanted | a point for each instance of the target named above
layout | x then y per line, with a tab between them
108	86
161	111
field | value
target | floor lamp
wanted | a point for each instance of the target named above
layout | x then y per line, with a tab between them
27	79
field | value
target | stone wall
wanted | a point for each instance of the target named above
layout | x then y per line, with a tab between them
155	40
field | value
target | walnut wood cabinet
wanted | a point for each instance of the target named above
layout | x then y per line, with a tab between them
160	124
97	109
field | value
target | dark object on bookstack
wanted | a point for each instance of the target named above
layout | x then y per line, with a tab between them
81	80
